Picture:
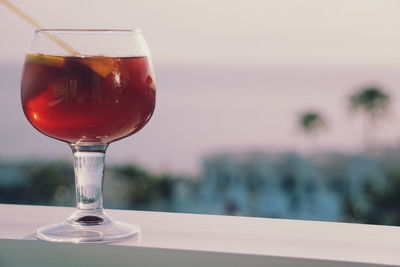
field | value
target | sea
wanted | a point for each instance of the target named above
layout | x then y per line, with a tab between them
202	110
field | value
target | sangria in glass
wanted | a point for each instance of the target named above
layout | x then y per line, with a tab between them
100	91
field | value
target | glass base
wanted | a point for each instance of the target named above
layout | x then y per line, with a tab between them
88	229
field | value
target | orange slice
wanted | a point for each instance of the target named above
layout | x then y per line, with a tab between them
54	61
101	65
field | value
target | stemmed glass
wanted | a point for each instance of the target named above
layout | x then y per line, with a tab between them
88	88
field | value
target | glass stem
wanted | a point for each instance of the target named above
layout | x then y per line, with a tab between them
89	176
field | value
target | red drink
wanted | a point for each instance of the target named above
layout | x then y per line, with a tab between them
87	99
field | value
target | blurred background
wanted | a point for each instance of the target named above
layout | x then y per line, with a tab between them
283	109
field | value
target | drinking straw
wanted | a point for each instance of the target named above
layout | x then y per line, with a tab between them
35	24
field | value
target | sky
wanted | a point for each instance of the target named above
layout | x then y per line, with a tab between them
231	75
222	32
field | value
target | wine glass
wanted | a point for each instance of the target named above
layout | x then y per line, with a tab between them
88	88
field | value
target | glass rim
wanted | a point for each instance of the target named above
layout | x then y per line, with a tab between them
71	30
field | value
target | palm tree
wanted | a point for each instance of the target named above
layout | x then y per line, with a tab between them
374	103
311	123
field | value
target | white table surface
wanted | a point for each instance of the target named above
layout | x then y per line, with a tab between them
273	239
